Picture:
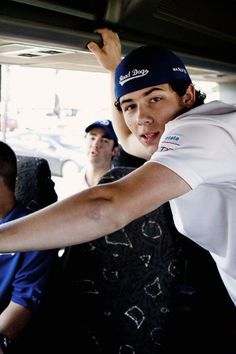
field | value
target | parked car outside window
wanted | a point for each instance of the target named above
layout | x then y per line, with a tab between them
11	124
63	160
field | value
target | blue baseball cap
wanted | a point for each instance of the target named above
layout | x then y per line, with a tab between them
107	125
148	66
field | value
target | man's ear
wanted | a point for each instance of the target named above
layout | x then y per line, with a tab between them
116	151
189	97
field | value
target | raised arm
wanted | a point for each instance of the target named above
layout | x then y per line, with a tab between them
109	56
94	212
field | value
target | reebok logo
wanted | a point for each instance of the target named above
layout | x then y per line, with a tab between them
131	75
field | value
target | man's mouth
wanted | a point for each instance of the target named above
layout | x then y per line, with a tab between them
94	153
149	138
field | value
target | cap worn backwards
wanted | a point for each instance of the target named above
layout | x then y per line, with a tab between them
148	66
105	124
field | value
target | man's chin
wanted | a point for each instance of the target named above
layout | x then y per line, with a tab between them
151	148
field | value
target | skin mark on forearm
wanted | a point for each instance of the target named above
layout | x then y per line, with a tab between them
94	214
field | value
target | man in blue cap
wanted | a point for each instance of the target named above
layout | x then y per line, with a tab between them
161	117
101	146
193	149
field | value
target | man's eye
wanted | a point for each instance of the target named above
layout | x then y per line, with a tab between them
155	99
129	107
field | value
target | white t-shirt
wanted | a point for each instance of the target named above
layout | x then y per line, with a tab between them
81	181
200	146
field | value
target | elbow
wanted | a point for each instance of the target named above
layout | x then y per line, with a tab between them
105	211
116	218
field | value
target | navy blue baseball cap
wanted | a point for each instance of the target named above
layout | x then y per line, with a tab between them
107	125
148	66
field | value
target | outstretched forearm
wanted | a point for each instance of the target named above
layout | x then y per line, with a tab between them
74	220
94	212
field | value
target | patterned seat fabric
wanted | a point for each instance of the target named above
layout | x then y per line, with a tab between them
144	289
124	284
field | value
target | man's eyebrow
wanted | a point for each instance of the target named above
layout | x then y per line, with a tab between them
92	133
104	135
151	90
144	94
125	101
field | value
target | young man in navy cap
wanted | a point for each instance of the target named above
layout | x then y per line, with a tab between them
193	148
101	146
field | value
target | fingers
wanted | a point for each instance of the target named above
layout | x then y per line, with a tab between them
104	31
93	47
107	34
109	54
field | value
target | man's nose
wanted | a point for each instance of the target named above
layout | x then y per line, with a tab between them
143	116
96	143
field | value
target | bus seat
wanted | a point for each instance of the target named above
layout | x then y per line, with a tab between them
34	186
145	289
124	159
35	189
122	287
